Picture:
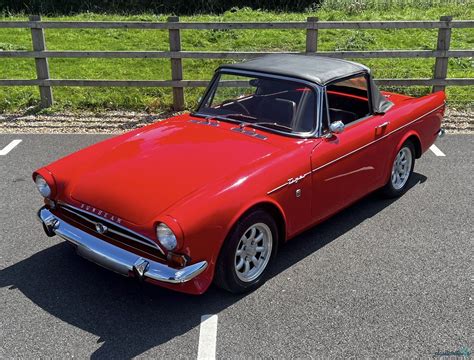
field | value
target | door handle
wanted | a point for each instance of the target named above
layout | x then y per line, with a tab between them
384	125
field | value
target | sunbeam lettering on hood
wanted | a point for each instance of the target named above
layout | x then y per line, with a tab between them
101	213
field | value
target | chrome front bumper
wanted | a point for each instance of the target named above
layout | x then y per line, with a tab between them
114	258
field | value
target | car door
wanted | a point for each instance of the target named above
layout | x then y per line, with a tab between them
347	165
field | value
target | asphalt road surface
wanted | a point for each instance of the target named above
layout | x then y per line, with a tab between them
381	279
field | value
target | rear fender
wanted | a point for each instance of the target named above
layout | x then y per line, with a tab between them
388	169
427	112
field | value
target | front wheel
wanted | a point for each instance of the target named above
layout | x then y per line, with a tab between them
402	169
247	253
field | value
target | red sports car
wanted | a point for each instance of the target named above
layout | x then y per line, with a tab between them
276	145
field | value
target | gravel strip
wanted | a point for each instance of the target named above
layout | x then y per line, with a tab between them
116	122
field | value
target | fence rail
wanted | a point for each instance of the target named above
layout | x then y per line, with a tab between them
288	25
441	51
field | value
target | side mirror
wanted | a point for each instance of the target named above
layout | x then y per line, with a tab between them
254	82
337	127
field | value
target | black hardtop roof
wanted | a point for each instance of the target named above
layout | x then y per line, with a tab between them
318	69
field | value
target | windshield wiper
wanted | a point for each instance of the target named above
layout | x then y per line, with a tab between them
271	124
230	117
234	117
238	116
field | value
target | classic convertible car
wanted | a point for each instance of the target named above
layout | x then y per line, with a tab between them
276	145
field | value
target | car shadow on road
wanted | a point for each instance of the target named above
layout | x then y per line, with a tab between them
130	318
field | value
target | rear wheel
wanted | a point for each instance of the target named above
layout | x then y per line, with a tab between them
402	169
247	252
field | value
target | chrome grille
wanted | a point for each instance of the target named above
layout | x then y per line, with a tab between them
114	231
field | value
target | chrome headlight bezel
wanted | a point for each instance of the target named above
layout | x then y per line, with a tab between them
43	186
166	236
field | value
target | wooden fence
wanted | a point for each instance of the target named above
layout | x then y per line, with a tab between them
439	81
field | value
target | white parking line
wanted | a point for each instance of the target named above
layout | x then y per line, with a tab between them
9	147
207	338
436	150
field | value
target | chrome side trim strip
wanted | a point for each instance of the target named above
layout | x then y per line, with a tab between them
277	188
117	259
289	182
358	149
140	238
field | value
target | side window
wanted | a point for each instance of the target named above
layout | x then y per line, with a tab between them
348	100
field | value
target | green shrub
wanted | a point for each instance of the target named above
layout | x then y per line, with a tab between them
181	7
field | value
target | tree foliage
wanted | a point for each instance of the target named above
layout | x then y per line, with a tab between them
180	7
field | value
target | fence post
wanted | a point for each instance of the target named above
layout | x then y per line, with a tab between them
312	35
441	63
176	66
42	67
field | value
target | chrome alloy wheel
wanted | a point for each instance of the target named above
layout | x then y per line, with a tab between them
253	252
401	168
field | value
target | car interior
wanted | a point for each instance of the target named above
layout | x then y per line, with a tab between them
275	101
348	100
292	105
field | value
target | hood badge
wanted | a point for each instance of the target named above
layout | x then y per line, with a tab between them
101	213
101	228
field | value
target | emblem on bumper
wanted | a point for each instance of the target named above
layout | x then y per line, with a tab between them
140	267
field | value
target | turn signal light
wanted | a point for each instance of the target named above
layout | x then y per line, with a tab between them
177	260
50	203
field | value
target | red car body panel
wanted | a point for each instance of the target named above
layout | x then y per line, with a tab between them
203	178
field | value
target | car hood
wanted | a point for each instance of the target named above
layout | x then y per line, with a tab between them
142	175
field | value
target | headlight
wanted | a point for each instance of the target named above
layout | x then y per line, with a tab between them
42	186
166	237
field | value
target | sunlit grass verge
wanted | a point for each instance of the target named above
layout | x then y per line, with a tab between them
13	99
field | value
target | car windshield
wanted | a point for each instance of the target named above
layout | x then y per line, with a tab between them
282	105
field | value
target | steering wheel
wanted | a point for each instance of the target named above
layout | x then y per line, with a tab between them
242	106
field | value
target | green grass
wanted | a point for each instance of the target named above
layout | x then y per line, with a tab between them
158	99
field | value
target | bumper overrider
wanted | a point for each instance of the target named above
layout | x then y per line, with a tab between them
114	258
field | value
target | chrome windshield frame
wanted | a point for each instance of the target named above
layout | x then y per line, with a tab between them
318	92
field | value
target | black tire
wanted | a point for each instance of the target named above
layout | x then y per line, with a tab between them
391	190
226	276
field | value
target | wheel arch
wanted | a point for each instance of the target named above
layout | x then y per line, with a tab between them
271	208
267	205
415	140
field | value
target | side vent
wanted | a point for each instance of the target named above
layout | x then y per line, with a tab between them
209	122
252	133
